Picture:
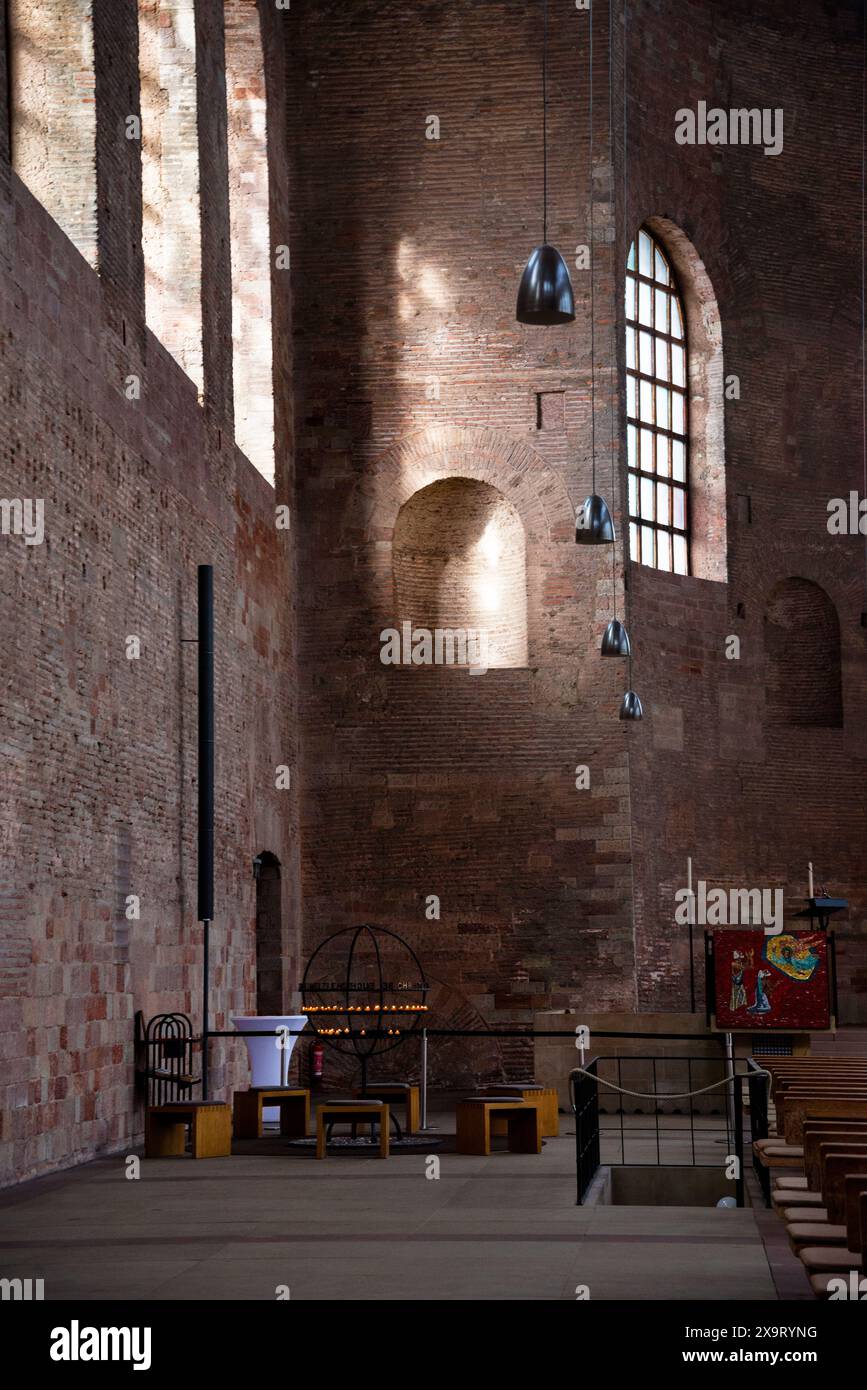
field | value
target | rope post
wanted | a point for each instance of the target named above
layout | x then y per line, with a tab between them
730	1069
424	1127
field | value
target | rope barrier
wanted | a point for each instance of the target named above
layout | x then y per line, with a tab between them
667	1095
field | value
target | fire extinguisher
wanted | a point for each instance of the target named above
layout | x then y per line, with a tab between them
317	1062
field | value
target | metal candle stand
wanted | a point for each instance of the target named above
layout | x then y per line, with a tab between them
365	1041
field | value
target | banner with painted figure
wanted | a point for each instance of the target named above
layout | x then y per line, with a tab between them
773	982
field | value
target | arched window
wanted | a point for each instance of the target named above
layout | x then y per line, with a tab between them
657	410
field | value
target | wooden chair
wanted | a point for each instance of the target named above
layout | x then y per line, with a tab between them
528	1090
392	1092
354	1112
292	1102
523	1121
209	1123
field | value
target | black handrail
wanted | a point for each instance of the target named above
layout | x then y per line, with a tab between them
757	1084
584	1095
583	1091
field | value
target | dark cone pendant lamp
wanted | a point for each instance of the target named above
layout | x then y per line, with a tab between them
593	524
545	293
615	640
631	707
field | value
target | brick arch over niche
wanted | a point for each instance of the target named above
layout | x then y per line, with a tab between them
802	650
706	382
459	562
535	491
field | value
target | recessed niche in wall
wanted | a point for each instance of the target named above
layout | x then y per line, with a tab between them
802	645
269	935
459	558
550	410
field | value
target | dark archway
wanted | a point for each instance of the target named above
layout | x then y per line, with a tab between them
269	935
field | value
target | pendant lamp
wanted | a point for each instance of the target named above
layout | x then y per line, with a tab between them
631	707
615	640
593	524
545	293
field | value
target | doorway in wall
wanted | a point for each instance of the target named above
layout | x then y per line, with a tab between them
269	935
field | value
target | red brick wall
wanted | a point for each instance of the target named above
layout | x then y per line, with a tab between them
406	255
398	365
410	369
713	774
99	792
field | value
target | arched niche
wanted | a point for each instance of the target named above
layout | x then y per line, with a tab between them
459	565
802	650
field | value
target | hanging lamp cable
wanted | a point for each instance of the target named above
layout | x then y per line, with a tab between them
863	248
613	282
592	271
545	123
628	244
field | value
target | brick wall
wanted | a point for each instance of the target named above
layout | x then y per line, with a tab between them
406	254
99	793
411	371
714	773
417	429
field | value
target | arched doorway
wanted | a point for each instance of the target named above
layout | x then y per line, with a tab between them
269	935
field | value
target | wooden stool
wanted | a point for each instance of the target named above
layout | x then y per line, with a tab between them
293	1104
390	1091
528	1090
523	1124
210	1125
370	1112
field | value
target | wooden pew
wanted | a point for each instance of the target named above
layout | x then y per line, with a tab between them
824	1107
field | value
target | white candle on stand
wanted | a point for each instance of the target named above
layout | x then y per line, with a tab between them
810	867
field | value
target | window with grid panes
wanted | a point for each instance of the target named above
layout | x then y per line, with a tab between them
656	410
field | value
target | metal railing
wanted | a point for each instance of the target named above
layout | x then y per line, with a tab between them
584	1094
688	1139
757	1083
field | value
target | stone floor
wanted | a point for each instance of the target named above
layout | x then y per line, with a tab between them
353	1227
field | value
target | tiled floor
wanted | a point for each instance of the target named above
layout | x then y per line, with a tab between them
353	1227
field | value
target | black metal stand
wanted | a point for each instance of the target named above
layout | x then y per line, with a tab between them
206	793
364	1012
